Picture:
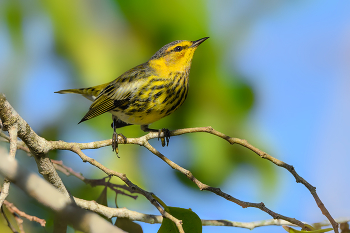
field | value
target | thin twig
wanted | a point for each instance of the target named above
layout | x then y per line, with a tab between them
47	195
134	187
93	182
20	144
264	155
15	211
19	223
217	191
66	170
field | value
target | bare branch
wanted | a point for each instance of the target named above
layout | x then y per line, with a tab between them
117	212
247	225
20	144
49	196
264	155
15	211
93	182
66	170
4	191
40	147
217	191
144	142
13	148
37	145
134	187
13	140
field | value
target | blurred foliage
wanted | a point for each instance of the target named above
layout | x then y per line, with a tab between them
102	39
190	221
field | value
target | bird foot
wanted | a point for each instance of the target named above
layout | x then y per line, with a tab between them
166	136
115	142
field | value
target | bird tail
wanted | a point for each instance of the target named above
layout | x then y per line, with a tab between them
90	93
81	91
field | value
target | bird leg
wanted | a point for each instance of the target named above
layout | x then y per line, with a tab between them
165	132
115	137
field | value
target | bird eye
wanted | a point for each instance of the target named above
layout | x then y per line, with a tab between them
178	49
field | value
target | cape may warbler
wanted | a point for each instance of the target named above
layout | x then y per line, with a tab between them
145	93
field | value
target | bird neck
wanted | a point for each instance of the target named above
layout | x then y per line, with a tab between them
165	68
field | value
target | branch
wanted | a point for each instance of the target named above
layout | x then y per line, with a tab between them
49	196
15	211
20	144
42	146
93	182
110	212
218	192
66	170
39	147
133	186
143	141
4	191
13	148
247	225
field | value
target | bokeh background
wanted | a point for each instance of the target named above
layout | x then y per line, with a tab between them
273	72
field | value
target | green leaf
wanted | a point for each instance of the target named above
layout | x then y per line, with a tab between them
102	199
292	230
128	225
191	223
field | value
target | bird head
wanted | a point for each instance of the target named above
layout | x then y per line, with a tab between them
175	56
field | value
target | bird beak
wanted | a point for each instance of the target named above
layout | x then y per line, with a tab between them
198	42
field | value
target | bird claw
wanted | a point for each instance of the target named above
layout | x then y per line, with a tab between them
115	142
166	136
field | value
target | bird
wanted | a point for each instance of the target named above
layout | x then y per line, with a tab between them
145	93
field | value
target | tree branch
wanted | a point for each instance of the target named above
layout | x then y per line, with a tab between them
13	148
49	196
20	144
15	211
39	146
133	186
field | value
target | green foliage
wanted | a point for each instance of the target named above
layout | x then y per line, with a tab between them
14	20
128	225
191	223
102	199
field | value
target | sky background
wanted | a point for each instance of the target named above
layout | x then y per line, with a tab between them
296	59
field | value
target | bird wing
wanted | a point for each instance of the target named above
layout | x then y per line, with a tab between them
108	99
116	93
